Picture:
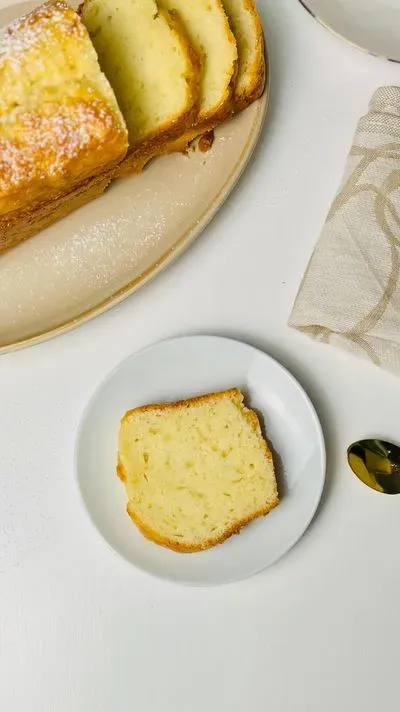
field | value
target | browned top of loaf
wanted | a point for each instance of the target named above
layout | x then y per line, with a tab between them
59	120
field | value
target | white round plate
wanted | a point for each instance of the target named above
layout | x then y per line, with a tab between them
372	25
182	368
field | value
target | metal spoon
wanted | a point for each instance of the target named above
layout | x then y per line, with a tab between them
377	464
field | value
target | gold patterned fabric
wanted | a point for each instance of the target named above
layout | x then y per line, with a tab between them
350	294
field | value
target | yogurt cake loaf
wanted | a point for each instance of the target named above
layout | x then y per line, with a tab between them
196	471
153	68
61	131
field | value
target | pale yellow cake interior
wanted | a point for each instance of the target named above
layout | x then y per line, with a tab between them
193	473
143	59
209	32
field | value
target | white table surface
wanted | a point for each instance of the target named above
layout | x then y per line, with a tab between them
81	630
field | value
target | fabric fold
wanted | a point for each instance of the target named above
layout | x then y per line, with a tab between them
350	293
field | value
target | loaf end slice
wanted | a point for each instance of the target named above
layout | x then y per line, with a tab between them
196	471
246	25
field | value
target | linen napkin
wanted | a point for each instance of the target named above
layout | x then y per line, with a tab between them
350	294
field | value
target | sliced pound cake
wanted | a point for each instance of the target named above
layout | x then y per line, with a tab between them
246	25
152	67
209	32
195	471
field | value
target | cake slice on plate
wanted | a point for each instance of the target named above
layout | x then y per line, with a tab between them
196	471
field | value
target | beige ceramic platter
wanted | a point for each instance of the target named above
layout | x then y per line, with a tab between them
372	25
103	252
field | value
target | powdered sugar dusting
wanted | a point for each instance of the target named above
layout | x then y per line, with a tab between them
48	143
129	230
52	113
26	31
